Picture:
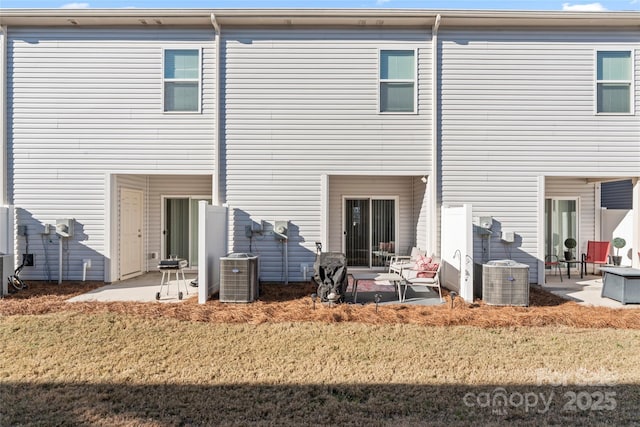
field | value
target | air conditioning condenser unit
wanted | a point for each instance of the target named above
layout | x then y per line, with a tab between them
239	278
505	282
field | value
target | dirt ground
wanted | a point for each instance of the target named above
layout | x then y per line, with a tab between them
292	303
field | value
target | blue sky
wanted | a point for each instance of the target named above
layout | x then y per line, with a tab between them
578	5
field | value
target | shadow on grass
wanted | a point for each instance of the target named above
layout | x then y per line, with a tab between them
340	404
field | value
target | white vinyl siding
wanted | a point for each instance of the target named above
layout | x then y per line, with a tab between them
181	80
86	102
614	81
303	103
516	105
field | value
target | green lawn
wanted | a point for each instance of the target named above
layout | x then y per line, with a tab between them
115	369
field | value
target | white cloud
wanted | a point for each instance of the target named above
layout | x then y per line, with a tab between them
590	7
381	2
75	6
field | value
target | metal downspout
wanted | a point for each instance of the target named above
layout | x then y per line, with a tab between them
433	178
635	240
3	118
216	199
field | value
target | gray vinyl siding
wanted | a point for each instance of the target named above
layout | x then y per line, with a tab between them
519	104
617	195
300	103
84	103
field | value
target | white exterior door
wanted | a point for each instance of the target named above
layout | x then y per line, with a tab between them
130	233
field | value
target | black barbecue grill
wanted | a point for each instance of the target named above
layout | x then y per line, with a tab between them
330	273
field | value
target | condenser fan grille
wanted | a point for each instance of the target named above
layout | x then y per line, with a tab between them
238	278
505	283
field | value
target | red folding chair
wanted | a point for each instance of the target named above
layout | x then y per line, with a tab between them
552	261
597	253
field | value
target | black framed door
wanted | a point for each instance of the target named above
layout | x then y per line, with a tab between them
369	229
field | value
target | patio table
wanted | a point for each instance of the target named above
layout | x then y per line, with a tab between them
621	284
573	261
394	278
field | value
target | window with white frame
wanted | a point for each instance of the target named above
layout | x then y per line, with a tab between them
614	81
397	81
181	80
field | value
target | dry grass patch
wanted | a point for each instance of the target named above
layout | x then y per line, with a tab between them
291	303
114	369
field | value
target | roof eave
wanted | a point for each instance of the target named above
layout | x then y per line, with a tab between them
309	17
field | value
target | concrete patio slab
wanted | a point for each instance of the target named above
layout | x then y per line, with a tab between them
585	291
139	289
388	295
143	288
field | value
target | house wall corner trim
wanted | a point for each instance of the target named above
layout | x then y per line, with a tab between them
217	143
433	178
3	114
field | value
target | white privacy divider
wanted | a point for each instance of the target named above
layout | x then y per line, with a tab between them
456	250
212	244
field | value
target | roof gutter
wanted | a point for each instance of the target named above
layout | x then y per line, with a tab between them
216	196
435	170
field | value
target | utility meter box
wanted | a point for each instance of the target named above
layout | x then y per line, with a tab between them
281	228
486	222
508	236
64	227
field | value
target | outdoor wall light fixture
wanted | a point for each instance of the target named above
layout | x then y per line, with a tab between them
424	179
314	297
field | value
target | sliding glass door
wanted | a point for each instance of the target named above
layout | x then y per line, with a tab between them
369	231
181	228
561	224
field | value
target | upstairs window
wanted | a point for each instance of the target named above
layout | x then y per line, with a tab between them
614	82
181	80
397	81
